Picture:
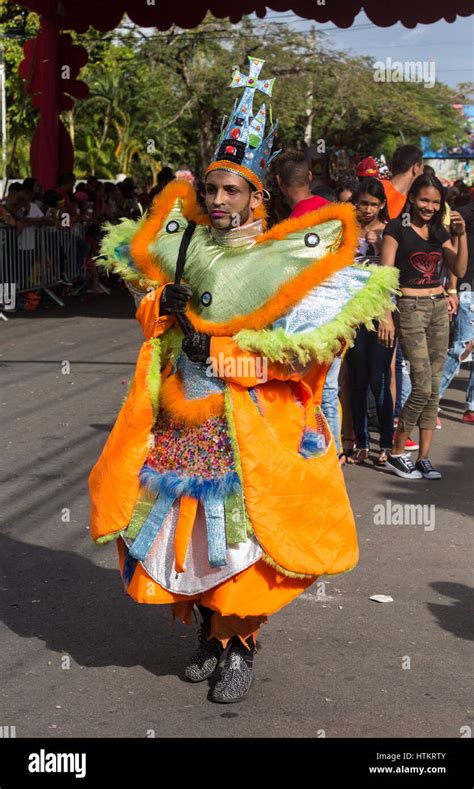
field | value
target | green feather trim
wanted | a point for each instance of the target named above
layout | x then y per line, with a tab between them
323	343
268	560
334	575
115	246
171	346
154	375
109	537
289	573
236	451
142	509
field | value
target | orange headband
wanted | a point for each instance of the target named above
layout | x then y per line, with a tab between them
238	169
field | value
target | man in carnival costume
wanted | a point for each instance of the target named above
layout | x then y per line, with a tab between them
220	479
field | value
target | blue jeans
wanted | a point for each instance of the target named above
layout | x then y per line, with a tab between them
463	333
369	365
330	401
402	380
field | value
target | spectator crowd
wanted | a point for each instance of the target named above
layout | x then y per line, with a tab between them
391	379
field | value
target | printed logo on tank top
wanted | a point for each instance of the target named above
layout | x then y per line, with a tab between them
427	264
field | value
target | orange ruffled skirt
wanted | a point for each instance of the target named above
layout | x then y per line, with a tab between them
240	603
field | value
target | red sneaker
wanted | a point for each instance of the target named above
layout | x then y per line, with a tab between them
468	417
410	446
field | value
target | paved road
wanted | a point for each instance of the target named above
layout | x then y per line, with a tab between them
81	658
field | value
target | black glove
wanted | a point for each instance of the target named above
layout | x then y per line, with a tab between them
174	298
197	347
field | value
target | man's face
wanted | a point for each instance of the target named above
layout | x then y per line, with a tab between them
230	201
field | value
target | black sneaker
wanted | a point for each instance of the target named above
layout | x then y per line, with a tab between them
237	673
203	662
426	468
403	466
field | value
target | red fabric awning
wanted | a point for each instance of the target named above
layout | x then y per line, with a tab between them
51	150
79	14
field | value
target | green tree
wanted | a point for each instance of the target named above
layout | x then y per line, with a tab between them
158	97
16	26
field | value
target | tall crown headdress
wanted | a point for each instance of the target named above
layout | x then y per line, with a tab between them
242	147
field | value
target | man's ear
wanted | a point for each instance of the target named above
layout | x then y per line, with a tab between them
256	199
310	177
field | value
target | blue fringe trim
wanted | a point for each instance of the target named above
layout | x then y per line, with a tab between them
151	528
128	567
312	444
199	488
216	538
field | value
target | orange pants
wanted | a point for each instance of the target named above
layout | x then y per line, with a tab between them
241	604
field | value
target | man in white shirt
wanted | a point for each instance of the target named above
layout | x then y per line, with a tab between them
26	241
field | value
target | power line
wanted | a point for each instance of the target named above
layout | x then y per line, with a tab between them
193	31
217	36
237	34
418	46
235	31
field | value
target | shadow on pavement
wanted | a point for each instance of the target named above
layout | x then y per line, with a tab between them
82	610
456	617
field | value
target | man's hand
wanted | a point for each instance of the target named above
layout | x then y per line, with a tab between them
197	347
174	298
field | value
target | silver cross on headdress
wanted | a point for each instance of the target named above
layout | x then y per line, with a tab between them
251	83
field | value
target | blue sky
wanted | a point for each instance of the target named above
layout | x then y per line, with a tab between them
450	45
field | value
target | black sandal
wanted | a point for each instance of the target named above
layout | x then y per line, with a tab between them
382	458
358	456
346	453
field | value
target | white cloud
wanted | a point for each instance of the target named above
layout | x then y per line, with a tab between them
413	34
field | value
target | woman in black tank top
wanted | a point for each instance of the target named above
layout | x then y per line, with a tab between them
418	244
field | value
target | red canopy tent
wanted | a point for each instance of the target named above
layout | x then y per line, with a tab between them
50	148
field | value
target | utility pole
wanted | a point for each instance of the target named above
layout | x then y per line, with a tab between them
309	113
4	113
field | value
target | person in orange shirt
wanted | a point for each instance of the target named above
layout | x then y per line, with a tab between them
407	164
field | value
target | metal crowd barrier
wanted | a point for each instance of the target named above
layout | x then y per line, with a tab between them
51	256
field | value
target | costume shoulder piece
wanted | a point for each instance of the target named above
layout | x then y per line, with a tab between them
294	291
288	283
